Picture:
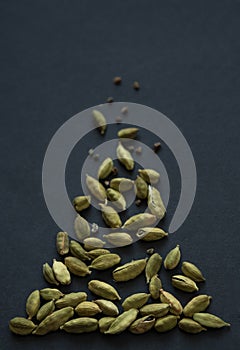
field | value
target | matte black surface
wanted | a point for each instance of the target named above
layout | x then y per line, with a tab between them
58	58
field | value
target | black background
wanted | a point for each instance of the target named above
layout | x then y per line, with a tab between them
58	58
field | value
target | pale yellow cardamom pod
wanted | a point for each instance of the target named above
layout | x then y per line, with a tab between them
155	285
135	301
21	326
93	254
166	323
122	322
49	275
149	234
110	216
105	168
149	175
61	272
105	323
76	266
33	304
96	188
155	309
197	304
50	294
190	326
173	258
106	261
192	271
80	325
62	243
121	184
140	220
142	325
129	270
103	290
125	157
174	304
128	133
153	266
45	310
71	299
209	320
155	203
93	243
81	202
184	283
116	199
77	250
118	239
141	188
81	228
108	307
87	308
100	121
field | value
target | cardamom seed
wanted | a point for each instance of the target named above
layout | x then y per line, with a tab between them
149	234
105	323
105	168
153	266
141	188
190	326
210	320
116	199
21	326
197	304
104	262
166	323
77	250
103	290
100	121
61	272
149	175
62	243
155	285
96	188
76	266
81	202
125	157
155	203
71	299
137	221
192	271
173	258
135	301
49	275
174	304
118	239
87	308
155	309
107	307
91	243
80	325
81	228
98	252
121	184
128	133
122	322
142	325
45	310
184	283
129	271
50	294
33	304
110	216
54	321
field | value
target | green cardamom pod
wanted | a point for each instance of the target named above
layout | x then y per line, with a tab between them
105	168
149	234
54	321
192	271
129	271
155	203
184	283
166	323
87	309
153	266
210	320
118	239
91	243
135	301
50	294
116	198
81	228
104	262
33	304
175	305
76	266
81	202
71	299
121	184
61	272
122	322
21	326
80	325
125	157
96	188
45	310
105	323
103	290
62	243
141	188
110	216
172	259
77	250
190	326
155	285
49	275
149	175
197	304
108	307
155	309
93	254
142	325
100	121
140	220
128	133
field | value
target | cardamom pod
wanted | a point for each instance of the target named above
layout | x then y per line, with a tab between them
156	309
190	326
129	271
192	271
45	310
87	308
104	323
81	202
210	320
122	322
184	283
116	198
21	326
110	216
50	294
103	290
135	301
175	305
137	221
100	121
155	285
71	299
49	275
149	234
33	304
118	239
155	203
108	307
81	228
149	175
105	168
142	325
153	266
62	243
80	325
121	184
197	304
77	250
128	133
125	157
141	188
166	323
76	266
98	252
91	243
104	262
96	188
61	272
54	321
172	259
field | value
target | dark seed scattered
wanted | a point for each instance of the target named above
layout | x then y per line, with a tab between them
150	251
138	202
117	80
156	146
138	150
110	99
118	120
136	85
115	171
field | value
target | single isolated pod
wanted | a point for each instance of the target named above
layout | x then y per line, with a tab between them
100	121
173	258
